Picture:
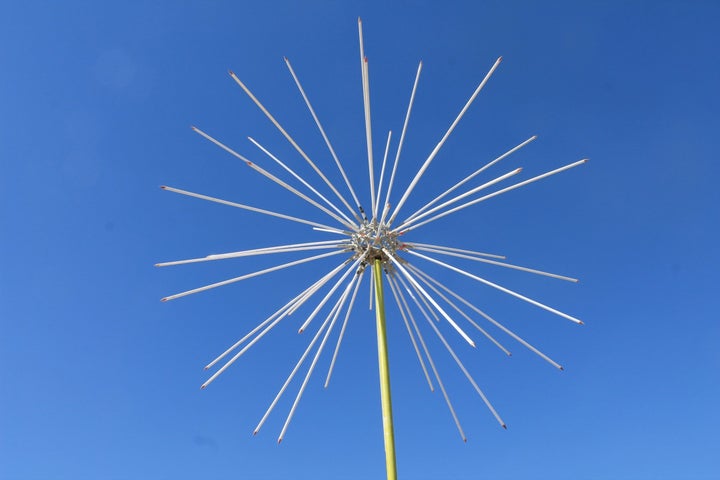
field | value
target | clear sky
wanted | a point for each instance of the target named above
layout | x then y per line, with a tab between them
100	380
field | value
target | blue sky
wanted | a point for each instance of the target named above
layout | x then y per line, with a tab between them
100	379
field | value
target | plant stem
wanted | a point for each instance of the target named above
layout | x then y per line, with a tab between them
384	374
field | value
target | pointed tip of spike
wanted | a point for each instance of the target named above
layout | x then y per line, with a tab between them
580	322
500	58
504	426
562	369
202	387
255	432
232	74
164	299
207	367
280	440
465	439
473	344
164	187
300	330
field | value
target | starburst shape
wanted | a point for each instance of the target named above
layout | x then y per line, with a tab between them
373	237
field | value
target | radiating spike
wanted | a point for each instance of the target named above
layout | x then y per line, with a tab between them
439	308
452	249
382	175
290	139
327	141
301	180
400	144
437	148
461	196
434	369
455	357
490	319
249	275
460	311
500	264
472	175
494	194
502	289
345	221
342	330
252	209
391	282
259	251
334	314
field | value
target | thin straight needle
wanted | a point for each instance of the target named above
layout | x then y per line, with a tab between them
254	209
328	295
455	357
257	251
432	366
489	318
494	194
284	310
366	104
442	141
345	221
461	196
460	311
412	337
290	139
249	275
291	376
342	330
452	249
402	139
473	175
322	132
382	174
498	287
334	314
426	295
246	347
500	264
300	179
317	287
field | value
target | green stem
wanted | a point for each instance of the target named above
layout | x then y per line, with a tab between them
384	374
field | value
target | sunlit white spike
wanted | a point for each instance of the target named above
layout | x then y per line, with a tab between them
402	269
291	140
400	144
472	175
498	287
292	374
376	212
283	310
437	148
489	318
461	196
455	357
318	285
259	251
433	368
249	275
301	180
409	330
252	209
342	330
329	294
322	132
334	314
460	311
345	221
495	194
500	264
453	249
